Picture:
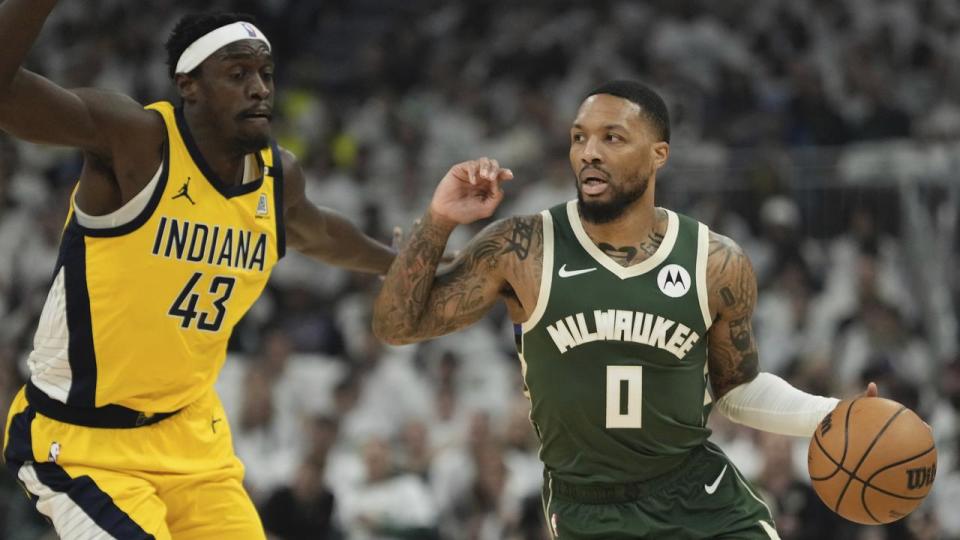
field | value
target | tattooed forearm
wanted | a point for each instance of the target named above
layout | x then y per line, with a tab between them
410	279
733	357
416	303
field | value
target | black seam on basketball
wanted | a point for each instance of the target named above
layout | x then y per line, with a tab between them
867	482
846	441
885	492
834	461
901	462
863	503
846	431
866	452
816	438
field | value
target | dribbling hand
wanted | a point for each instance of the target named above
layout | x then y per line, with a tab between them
871	390
470	191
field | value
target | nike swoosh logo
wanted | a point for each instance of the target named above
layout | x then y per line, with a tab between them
570	273
713	487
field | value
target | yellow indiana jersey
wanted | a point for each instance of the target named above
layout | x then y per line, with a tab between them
144	300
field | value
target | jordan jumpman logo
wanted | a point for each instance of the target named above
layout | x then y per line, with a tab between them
184	192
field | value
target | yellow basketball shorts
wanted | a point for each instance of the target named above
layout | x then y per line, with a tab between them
175	479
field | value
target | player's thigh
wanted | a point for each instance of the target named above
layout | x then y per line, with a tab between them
213	505
721	503
575	521
80	502
94	504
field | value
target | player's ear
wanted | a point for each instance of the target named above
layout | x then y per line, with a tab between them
186	86
661	151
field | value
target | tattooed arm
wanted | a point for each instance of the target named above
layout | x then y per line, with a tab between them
743	393
732	290
416	303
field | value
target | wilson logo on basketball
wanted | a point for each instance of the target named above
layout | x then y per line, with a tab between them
826	425
922	477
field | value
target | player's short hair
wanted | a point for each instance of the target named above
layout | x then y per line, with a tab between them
652	106
192	27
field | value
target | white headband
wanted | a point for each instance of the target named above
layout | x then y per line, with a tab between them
201	49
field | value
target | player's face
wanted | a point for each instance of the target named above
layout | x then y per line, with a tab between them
614	154
236	86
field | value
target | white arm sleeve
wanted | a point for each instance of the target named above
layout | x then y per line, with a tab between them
769	403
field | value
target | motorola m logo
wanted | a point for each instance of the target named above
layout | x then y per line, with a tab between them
674	280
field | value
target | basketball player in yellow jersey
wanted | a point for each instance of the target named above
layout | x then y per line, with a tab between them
179	215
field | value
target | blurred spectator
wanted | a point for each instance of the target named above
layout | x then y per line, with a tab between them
303	511
387	505
797	509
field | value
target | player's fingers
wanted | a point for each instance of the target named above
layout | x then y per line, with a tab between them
483	164
505	174
493	170
471	167
397	238
872	390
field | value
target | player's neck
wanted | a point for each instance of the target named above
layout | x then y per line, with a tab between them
640	221
221	156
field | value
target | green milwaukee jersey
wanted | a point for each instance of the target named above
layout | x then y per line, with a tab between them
614	358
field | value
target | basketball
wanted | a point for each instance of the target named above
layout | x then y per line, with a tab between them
872	460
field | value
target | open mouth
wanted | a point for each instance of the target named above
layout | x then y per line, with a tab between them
592	183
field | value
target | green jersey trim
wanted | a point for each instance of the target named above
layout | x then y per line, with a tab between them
669	239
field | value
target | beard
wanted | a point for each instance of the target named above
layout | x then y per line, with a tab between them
251	143
621	198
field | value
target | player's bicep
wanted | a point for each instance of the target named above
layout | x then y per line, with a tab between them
35	109
490	267
464	290
732	352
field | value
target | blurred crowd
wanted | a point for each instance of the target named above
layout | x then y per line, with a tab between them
819	134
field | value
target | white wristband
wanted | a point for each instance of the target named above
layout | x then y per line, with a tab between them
769	403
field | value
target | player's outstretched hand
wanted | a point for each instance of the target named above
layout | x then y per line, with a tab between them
470	191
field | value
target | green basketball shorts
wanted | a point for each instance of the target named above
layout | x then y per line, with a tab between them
705	497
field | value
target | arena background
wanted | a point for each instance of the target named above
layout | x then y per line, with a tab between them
822	135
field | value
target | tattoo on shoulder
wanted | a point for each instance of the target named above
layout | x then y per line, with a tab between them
458	292
521	236
731	275
733	352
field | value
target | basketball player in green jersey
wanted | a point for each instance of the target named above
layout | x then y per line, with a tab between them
631	322
179	215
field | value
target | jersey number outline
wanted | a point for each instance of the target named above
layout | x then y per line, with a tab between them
190	298
624	397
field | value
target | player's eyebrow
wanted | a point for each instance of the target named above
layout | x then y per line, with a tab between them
607	126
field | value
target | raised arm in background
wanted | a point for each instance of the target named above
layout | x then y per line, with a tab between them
120	139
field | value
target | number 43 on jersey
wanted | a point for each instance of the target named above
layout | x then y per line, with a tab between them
185	306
